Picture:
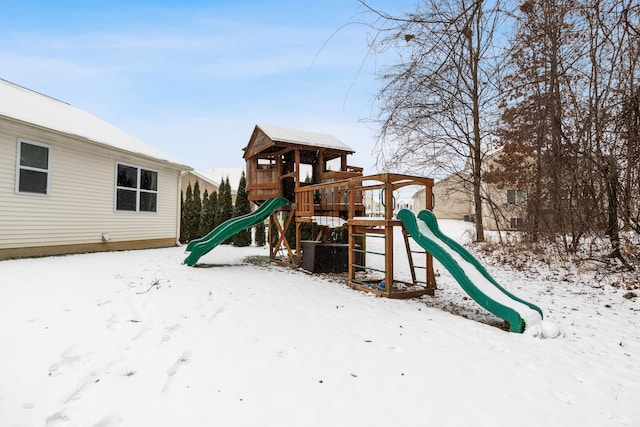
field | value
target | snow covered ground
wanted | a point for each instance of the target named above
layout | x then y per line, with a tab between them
139	339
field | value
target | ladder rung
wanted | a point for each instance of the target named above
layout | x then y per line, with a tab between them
367	252
368	268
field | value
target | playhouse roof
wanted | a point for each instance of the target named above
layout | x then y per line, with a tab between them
17	102
279	136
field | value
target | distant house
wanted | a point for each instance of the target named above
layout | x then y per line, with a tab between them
205	182
233	173
71	182
453	199
211	180
403	203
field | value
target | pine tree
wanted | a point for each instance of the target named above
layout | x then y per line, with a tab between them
261	238
213	206
188	216
197	210
218	211
242	207
208	213
213	198
225	204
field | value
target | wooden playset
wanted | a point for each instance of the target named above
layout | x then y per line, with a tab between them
310	170
334	206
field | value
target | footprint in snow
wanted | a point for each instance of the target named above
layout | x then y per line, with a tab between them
216	313
69	358
170	333
101	302
57	419
88	380
111	420
176	367
178	364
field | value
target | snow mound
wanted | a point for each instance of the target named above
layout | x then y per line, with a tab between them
544	329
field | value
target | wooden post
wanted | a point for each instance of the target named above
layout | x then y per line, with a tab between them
412	267
297	166
352	257
388	231
298	241
271	251
351	239
321	162
388	258
431	277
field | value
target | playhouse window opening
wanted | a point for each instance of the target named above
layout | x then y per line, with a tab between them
333	164
266	164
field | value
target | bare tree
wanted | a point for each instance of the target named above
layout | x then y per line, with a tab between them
538	119
597	136
438	102
627	119
570	118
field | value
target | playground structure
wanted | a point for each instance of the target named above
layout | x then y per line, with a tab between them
334	196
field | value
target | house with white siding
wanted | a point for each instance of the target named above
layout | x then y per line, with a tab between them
71	182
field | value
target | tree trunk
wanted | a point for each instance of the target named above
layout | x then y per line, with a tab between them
613	229
474	61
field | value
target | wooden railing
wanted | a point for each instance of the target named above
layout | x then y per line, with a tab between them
345	197
330	198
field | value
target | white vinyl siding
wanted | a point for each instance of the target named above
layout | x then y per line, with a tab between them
453	197
80	207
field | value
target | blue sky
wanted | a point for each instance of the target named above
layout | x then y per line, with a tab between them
193	78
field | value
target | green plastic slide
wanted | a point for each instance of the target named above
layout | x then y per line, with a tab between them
199	247
468	272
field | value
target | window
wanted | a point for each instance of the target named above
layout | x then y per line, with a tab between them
34	161
516	223
516	196
136	189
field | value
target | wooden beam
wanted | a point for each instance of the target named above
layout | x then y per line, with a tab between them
270	186
297	167
407	245
283	237
298	242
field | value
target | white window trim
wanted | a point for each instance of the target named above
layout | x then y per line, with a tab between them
19	167
138	190
519	196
